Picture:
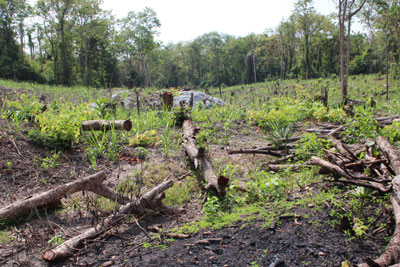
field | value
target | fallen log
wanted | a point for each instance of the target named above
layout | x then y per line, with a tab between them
313	130
102	125
138	207
257	151
91	183
387	118
198	158
280	167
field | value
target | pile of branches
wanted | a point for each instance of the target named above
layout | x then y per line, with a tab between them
348	166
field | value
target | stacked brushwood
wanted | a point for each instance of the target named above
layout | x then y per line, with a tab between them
383	161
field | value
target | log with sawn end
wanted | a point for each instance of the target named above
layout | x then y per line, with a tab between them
102	125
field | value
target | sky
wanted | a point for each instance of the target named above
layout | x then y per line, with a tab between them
185	20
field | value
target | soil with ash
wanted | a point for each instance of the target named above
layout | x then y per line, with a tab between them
300	242
294	242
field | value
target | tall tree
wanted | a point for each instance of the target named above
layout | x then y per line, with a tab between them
304	13
347	10
139	32
12	15
58	26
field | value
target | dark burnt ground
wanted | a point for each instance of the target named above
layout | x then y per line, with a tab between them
308	241
296	242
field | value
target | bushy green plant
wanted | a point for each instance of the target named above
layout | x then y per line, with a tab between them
51	161
392	132
280	131
181	193
263	186
147	138
310	145
211	208
104	105
283	110
26	108
363	125
60	128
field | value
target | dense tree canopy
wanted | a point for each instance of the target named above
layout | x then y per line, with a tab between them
76	42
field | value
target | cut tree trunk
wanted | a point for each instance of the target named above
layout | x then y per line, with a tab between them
198	158
167	99
91	183
148	201
101	125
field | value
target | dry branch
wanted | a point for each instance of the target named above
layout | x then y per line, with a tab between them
279	167
257	151
148	201
279	160
350	179
101	125
199	159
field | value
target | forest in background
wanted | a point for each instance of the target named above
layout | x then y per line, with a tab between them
73	42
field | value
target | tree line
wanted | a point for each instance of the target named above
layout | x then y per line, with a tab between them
77	42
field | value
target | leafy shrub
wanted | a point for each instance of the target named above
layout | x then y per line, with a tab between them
148	138
60	127
310	144
363	125
27	108
283	111
264	186
392	132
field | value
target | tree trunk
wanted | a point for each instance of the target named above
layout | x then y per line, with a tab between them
199	160
387	65
342	16
91	183
101	125
282	74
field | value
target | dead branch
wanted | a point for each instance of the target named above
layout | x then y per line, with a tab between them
280	167
279	160
351	179
138	207
101	125
392	154
343	149
379	119
313	130
197	156
15	146
257	151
